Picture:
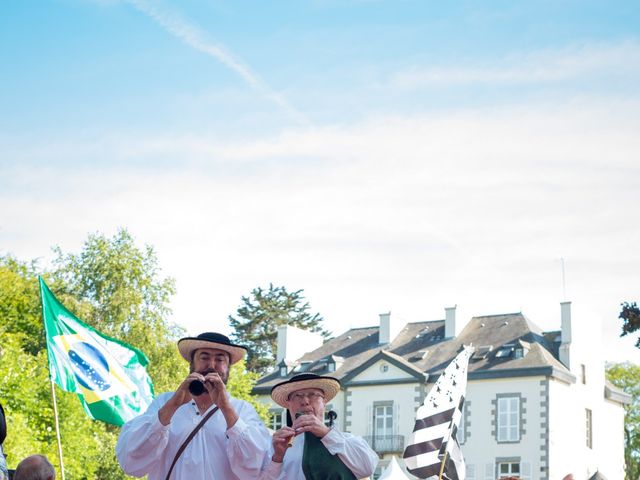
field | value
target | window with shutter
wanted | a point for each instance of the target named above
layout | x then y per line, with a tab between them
508	419
471	471
488	471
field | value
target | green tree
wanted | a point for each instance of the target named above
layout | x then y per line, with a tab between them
115	287
259	316
627	377
630	316
26	395
20	303
240	384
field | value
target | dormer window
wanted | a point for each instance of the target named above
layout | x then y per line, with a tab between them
302	367
505	351
419	355
284	368
333	362
481	353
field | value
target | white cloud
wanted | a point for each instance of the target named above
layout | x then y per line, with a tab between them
408	214
553	65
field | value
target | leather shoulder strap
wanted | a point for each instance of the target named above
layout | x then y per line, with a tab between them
188	439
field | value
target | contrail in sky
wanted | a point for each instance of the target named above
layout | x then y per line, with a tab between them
196	38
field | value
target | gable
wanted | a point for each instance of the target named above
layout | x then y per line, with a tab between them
382	371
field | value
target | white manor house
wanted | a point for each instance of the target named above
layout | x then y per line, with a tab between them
537	403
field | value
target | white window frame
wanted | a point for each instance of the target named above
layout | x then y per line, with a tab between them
508	419
461	434
510	470
273	424
386	414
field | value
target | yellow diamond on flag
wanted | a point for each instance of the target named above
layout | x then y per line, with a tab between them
98	374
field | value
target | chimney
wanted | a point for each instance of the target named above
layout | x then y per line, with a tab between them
565	334
294	342
450	322
389	329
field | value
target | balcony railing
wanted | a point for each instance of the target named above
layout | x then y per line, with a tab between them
386	443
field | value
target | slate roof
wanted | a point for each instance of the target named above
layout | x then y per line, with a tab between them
598	476
421	349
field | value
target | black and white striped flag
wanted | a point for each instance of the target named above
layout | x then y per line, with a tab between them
437	420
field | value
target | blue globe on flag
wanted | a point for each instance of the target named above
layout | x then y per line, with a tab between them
90	366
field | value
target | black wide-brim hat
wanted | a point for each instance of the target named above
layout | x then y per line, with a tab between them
188	345
329	385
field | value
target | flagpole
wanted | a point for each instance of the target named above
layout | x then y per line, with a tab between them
444	460
53	391
55	416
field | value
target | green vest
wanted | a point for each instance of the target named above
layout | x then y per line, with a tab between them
319	464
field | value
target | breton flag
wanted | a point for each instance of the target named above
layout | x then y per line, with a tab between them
433	440
109	376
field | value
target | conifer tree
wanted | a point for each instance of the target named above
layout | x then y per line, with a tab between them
257	320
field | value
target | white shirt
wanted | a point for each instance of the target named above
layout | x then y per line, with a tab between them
354	452
146	447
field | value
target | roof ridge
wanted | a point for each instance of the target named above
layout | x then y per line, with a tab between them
359	328
425	321
499	315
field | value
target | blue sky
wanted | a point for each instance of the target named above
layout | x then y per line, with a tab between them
402	156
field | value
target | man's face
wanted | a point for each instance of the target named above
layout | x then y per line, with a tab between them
307	401
206	360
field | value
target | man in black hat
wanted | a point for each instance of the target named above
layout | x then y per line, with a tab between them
307	448
230	440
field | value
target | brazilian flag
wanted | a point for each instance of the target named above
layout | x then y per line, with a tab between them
108	376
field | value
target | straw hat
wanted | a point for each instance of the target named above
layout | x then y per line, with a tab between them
188	345
329	385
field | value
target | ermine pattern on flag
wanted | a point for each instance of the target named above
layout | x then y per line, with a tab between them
436	422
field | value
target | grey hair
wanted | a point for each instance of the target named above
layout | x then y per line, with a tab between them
35	467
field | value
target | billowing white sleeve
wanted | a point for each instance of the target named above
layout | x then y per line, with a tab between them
271	471
142	441
249	442
354	452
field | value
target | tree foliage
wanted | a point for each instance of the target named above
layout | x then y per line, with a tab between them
20	303
241	383
115	287
627	377
630	316
259	316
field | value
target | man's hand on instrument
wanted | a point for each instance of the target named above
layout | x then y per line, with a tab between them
280	441
310	423
216	389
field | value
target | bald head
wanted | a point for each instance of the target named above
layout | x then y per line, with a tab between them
35	467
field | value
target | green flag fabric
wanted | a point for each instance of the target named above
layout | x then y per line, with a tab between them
108	376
